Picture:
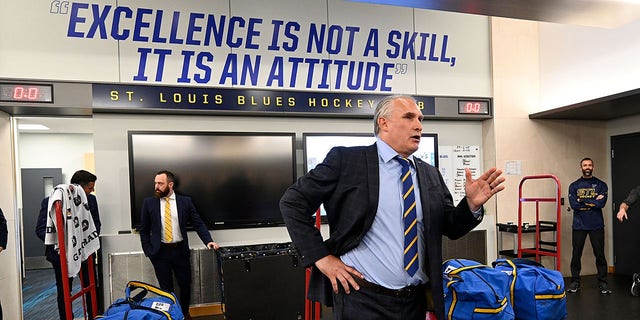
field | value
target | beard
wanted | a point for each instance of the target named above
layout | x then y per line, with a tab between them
161	193
587	173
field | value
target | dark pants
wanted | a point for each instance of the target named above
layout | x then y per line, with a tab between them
57	269
368	304
597	243
170	262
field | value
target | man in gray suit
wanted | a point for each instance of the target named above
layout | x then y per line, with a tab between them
361	268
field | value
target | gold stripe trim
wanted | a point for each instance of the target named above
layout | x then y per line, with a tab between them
550	296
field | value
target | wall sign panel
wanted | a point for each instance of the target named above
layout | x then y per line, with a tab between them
302	45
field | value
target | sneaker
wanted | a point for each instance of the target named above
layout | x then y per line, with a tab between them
604	288
635	285
574	287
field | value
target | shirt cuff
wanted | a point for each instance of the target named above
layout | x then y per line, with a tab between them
478	213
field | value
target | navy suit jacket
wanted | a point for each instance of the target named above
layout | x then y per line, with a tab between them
151	224
347	182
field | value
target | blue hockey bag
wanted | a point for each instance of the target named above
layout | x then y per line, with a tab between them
162	306
536	293
475	291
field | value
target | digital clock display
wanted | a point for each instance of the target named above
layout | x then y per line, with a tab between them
480	107
23	92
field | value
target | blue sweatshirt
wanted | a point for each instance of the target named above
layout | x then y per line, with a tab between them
587	211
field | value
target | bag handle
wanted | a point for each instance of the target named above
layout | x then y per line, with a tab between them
139	296
132	285
517	262
514	275
455	277
464	267
527	262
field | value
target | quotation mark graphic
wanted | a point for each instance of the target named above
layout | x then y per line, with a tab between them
401	68
60	7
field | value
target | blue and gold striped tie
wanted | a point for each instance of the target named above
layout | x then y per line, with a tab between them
168	228
410	219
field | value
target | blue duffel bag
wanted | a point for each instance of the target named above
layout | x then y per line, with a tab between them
475	291
162	305
536	293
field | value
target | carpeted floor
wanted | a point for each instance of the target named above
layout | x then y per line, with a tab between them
39	296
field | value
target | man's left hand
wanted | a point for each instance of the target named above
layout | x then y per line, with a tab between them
482	189
213	245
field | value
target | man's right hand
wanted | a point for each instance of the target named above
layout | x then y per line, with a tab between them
622	215
337	271
622	212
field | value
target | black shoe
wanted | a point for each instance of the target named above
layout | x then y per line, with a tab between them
635	285
574	287
604	288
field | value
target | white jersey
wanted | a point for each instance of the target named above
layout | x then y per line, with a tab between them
81	236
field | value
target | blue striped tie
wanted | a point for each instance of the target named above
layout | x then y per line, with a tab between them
410	219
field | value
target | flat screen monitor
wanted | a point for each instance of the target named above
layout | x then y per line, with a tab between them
317	145
234	179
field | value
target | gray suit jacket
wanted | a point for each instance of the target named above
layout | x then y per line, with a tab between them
347	183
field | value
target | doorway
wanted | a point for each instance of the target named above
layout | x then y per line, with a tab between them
37	184
62	143
624	158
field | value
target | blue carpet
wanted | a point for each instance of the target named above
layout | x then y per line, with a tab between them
39	296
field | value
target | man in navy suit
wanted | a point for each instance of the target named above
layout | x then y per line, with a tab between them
360	269
163	234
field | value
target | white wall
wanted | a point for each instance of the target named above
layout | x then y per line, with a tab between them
57	150
583	63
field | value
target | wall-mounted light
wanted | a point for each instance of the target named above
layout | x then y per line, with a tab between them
32	127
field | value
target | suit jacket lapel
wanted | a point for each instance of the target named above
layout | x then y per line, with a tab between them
423	179
179	210
373	179
156	210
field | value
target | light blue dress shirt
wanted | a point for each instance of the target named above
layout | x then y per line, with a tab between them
379	256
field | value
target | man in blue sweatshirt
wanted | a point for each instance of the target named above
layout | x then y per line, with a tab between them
587	197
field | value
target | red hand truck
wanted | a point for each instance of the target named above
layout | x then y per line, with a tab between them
541	247
91	288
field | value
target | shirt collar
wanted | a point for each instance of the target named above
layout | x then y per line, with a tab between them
387	153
